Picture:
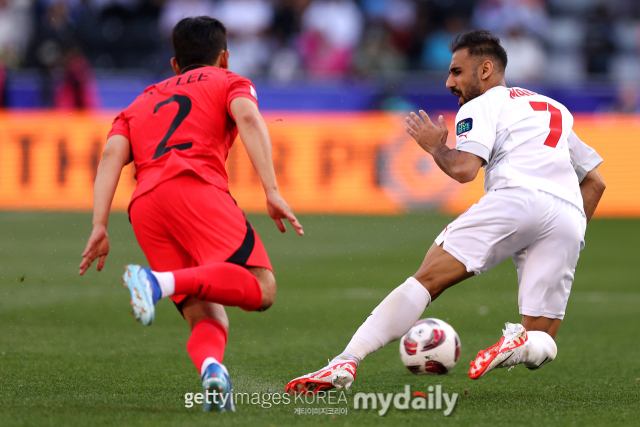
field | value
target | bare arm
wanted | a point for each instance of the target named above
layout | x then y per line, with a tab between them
459	165
116	154
255	136
592	187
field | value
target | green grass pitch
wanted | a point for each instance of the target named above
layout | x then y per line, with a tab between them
70	353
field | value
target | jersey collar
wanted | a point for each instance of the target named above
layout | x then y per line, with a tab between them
192	67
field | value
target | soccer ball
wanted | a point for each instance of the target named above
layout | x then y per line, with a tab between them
430	347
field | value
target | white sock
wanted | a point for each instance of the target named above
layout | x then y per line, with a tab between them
389	321
205	364
542	350
167	283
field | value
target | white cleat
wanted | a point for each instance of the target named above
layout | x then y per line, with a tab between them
335	375
505	353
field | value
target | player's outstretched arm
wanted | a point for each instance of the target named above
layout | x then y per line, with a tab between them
116	154
459	165
255	136
592	187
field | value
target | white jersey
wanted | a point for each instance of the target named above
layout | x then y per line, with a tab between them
526	140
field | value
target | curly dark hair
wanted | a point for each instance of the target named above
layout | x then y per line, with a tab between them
481	44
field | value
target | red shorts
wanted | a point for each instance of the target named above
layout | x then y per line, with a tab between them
186	222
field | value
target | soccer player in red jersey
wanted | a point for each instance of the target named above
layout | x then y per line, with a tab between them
202	251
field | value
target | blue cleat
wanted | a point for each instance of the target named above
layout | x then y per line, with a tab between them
216	387
145	292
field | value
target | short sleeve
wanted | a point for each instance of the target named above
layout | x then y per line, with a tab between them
239	87
583	158
476	129
120	126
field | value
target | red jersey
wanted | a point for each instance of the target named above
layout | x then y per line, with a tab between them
183	124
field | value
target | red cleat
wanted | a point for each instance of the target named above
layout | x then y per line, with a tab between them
334	375
505	353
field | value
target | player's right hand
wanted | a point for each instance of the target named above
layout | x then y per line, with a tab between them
279	210
425	132
97	247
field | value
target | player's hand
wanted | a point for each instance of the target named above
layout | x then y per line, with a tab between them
97	247
427	134
279	210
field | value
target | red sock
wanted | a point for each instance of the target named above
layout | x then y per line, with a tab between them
208	339
223	283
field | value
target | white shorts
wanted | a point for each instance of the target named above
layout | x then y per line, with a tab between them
542	233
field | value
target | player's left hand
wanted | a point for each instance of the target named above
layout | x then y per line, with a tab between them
279	210
425	132
97	247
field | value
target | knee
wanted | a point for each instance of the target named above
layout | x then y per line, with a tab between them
223	320
439	274
267	283
430	282
268	287
194	311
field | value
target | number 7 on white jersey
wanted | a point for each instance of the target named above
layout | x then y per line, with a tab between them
555	123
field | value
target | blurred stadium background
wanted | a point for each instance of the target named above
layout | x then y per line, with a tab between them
334	80
332	77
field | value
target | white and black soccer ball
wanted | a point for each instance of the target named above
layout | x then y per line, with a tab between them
431	347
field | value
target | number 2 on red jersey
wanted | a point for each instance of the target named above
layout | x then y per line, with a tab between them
184	108
555	124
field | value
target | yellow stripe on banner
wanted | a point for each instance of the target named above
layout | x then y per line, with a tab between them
347	163
49	161
616	139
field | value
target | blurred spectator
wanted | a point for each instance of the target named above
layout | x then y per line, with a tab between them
174	10
247	22
398	17
627	9
287	17
377	56
422	27
331	30
436	55
15	30
499	16
123	34
599	44
105	4
78	89
54	32
285	63
527	59
290	39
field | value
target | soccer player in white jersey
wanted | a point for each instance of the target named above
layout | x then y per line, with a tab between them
542	187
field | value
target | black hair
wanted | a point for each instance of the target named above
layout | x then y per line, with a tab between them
481	44
198	40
